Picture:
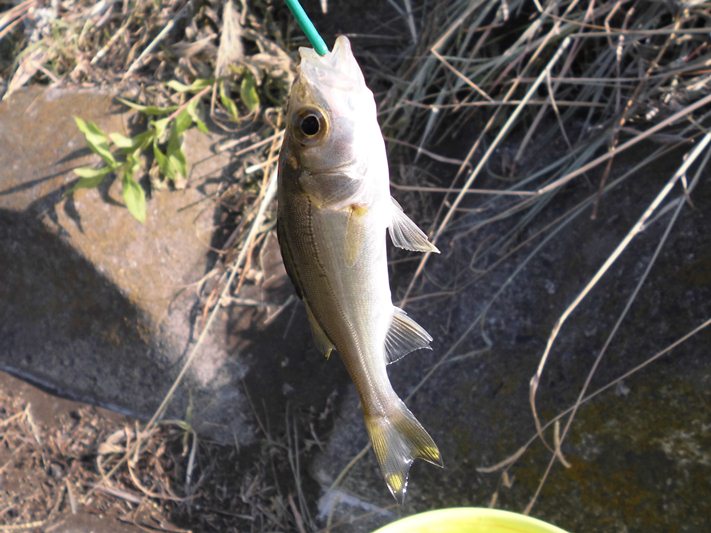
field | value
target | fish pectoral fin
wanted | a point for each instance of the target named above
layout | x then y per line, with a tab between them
398	439
355	233
404	336
405	233
323	343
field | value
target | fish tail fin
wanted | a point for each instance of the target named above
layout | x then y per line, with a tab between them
398	439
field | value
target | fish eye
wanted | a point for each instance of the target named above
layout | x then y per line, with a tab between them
310	125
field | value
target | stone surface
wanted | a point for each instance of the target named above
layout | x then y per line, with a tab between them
639	453
99	308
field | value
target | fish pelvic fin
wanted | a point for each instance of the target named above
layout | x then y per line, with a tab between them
405	233
398	439
323	343
404	336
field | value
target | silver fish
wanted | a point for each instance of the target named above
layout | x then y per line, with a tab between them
334	209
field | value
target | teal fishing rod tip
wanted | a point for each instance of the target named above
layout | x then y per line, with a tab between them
304	22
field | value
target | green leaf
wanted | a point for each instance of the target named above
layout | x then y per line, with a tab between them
228	103
192	110
90	177
174	141
91	131
89	172
88	183
182	122
177	165
248	92
135	197
122	141
196	86
159	127
148	109
132	164
178	86
97	140
177	162
162	161
143	140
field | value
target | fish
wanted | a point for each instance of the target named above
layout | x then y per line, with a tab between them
334	209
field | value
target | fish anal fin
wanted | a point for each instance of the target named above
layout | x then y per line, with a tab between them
405	233
323	343
355	235
398	439
404	336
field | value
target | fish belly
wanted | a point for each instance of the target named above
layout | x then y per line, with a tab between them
348	292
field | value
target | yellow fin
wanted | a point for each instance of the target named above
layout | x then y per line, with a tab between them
355	234
396	482
398	439
323	343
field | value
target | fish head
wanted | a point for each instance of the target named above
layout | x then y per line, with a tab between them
331	122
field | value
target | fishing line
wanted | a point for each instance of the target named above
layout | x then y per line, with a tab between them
304	22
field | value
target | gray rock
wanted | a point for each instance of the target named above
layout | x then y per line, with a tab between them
99	308
639	453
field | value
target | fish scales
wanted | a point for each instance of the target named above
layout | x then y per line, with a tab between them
333	213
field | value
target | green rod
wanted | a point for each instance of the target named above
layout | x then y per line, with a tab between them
307	27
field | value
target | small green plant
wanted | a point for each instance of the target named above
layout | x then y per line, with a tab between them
162	138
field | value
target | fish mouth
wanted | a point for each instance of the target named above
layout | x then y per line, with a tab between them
337	68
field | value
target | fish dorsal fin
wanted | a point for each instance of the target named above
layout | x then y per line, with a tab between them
405	233
404	336
323	343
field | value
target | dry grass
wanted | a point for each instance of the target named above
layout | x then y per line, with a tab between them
587	81
49	473
598	78
86	463
134	45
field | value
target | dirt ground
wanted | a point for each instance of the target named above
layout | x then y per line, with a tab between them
56	456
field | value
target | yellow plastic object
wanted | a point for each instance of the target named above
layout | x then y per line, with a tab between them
469	520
